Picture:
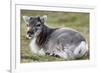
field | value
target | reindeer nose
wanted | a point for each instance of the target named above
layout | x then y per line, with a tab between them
30	33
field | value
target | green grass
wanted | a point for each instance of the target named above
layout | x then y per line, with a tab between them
78	21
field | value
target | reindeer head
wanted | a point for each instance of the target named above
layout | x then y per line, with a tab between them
34	25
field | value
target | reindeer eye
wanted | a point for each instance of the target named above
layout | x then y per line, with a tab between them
27	25
38	25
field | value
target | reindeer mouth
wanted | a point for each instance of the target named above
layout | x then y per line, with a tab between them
28	37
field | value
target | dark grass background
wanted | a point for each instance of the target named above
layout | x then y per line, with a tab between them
75	20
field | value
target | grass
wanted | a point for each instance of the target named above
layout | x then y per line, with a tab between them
75	20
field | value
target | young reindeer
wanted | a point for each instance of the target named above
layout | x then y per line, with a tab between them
63	42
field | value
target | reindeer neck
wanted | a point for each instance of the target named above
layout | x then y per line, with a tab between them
43	37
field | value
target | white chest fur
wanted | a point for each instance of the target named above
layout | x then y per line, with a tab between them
35	49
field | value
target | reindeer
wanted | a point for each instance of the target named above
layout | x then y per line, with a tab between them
66	43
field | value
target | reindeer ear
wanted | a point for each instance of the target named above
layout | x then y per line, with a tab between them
26	19
44	18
